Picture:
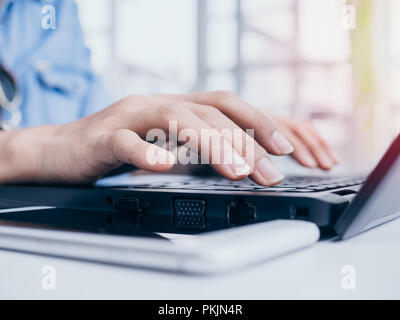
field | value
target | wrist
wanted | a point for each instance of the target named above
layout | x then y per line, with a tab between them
23	153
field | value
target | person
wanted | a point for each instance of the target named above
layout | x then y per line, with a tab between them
70	133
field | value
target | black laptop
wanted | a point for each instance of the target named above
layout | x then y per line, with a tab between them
191	204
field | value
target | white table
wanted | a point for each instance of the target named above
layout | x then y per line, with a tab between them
315	272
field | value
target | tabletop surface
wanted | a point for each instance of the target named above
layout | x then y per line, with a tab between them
366	266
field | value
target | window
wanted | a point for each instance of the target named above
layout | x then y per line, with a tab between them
289	57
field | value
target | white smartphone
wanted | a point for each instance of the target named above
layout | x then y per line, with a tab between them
210	252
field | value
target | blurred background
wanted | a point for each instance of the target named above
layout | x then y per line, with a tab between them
334	61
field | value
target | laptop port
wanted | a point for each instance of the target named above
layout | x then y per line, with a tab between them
240	213
128	211
130	204
301	213
189	213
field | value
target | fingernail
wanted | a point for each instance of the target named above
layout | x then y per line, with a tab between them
281	143
170	158
269	172
335	156
327	162
239	165
309	161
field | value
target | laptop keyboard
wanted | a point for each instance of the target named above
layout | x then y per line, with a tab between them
290	184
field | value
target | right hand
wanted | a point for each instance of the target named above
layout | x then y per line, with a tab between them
86	149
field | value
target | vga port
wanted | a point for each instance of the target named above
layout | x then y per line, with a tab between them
190	213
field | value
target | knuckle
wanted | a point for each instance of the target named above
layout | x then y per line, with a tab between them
117	137
112	142
225	95
264	122
206	112
133	99
114	138
171	109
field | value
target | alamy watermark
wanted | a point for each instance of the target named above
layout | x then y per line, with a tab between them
49	277
49	21
349	16
348	281
209	146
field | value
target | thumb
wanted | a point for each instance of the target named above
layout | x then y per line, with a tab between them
126	147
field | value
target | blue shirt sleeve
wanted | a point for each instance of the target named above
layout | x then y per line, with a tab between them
51	66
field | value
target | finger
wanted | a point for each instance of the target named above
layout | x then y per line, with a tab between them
246	116
315	146
301	153
329	150
126	147
201	138
263	170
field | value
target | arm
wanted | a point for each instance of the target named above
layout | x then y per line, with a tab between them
22	152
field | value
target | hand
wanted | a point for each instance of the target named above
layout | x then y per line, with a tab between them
86	149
